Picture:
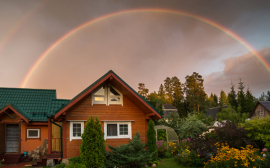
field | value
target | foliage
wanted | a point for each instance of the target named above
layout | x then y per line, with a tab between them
204	146
202	117
93	144
168	154
75	159
131	155
143	91
190	158
172	121
232	97
211	101
233	134
161	148
223	100
183	144
266	162
161	134
194	91
1	163
259	129
190	128
76	165
172	148
61	165
230	114
231	157
151	139
241	97
250	101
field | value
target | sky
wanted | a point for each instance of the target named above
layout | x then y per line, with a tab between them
67	45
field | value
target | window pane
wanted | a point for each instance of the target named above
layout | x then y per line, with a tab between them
113	92
32	133
123	129
111	129
101	91
77	130
115	98
99	99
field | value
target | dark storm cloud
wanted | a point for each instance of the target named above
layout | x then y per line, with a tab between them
248	68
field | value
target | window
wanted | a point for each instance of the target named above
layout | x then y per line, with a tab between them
261	113
76	129
33	133
115	130
107	95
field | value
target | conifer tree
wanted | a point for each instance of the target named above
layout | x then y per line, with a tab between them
161	93
250	101
232	97
216	99
168	84
223	98
241	96
143	91
93	144
151	139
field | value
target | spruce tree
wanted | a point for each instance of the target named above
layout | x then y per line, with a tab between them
250	101
93	144
241	96
232	97
223	100
151	139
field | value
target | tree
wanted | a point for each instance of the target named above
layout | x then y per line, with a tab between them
154	100
262	97
178	96
195	95
216	99
93	144
250	101
232	97
211	101
143	91
268	96
241	96
151	139
168	84
223	100
161	93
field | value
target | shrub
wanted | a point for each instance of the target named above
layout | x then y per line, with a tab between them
183	144
168	154
1	163
161	134
131	155
61	165
189	158
191	127
202	117
231	114
151	139
161	148
231	157
93	144
233	134
75	159
76	165
259	129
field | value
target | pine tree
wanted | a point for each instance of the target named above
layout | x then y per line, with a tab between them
216	99
178	96
262	97
232	98
151	139
143	91
161	93
211	101
250	101
223	98
93	144
241	96
168	84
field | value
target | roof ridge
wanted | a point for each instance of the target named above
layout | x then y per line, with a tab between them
27	89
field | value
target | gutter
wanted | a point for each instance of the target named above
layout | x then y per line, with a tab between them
61	136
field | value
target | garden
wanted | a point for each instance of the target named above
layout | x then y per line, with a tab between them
240	143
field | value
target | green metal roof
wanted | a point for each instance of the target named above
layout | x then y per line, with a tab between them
121	80
33	104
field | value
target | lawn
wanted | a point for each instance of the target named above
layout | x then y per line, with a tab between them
168	163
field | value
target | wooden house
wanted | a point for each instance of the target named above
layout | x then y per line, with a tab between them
261	109
121	110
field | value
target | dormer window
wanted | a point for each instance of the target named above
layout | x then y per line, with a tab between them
107	95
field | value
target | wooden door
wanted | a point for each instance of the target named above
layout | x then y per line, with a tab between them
2	138
56	137
12	138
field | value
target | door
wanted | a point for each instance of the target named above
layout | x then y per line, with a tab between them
2	138
56	137
12	138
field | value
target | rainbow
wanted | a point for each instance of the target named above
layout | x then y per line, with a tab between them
147	10
18	24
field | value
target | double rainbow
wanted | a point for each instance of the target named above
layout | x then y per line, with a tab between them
147	10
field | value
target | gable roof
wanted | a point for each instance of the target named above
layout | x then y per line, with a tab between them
32	104
109	75
213	111
265	104
168	106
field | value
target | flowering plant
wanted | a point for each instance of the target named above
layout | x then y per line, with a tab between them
172	148
161	148
190	158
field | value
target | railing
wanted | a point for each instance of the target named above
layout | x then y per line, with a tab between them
56	145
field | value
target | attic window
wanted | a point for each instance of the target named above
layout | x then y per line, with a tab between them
107	95
261	113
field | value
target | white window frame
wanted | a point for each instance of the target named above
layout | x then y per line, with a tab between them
118	130
261	113
71	137
105	96
33	130
109	96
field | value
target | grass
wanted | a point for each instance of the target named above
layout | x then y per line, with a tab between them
169	163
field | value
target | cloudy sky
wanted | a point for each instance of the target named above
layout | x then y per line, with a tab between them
140	46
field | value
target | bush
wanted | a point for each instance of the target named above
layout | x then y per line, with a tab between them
151	140
93	144
231	157
1	163
202	117
75	159
172	148
76	165
131	155
183	144
191	127
231	114
232	134
161	148
161	134
189	158
168	154
259	129
61	165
